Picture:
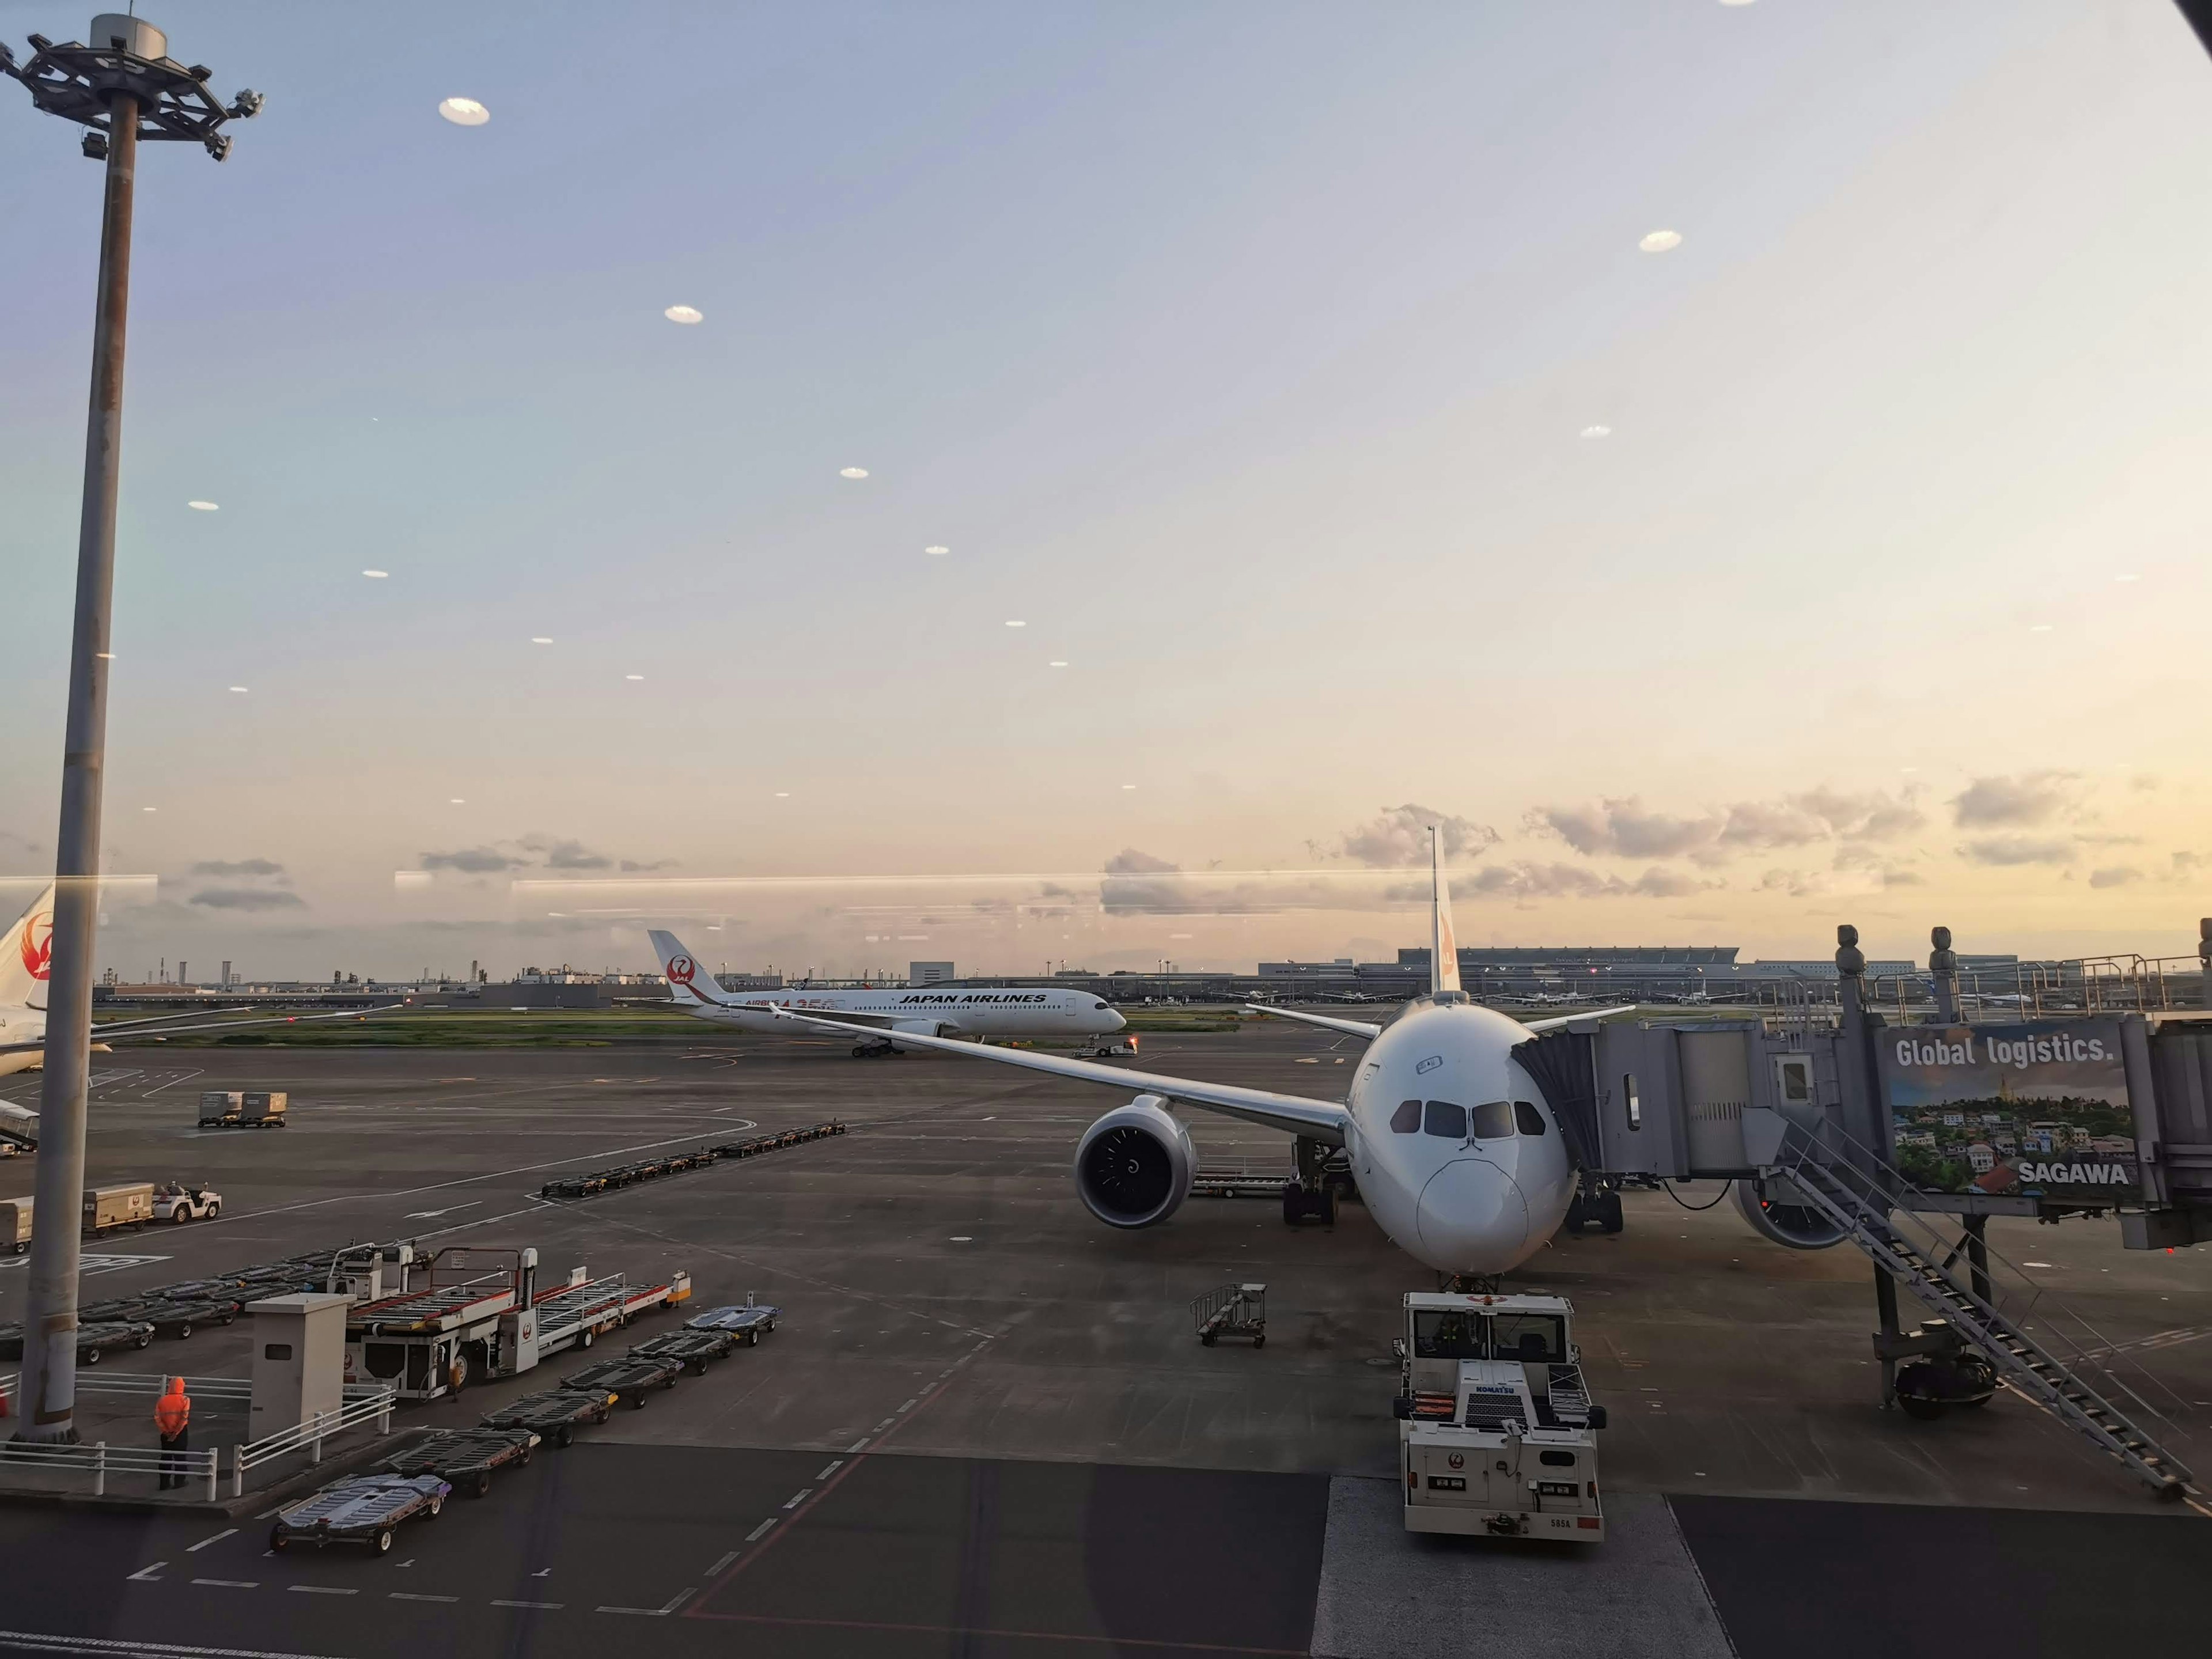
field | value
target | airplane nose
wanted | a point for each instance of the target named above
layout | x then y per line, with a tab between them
1473	1215
1119	1023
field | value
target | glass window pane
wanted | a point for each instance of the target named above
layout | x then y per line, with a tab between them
1539	1337
1525	1114
1407	1117
1493	1120
1441	1335
1446	1120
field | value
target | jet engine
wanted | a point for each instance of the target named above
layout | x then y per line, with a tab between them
1133	1166
1794	1226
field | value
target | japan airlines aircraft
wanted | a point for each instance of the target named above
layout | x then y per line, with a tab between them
26	959
1458	1156
881	1015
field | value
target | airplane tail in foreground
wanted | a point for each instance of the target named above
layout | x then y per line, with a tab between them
26	955
1443	944
689	983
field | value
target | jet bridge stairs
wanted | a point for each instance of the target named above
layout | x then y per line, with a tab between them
1858	1193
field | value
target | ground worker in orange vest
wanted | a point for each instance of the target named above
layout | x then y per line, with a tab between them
173	1414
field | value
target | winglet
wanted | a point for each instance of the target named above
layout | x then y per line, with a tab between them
1443	944
683	972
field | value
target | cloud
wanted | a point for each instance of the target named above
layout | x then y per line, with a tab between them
249	898
1400	836
2031	798
631	865
1619	825
2118	876
566	855
2009	850
1902	878
239	867
2145	781
474	861
1530	880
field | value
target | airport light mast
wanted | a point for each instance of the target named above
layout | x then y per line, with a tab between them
122	87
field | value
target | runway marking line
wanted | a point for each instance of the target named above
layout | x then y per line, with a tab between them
799	1497
410	1596
320	1589
831	1470
23	1638
759	1532
719	1565
230	1583
860	1444
149	1575
698	1610
546	1606
226	1533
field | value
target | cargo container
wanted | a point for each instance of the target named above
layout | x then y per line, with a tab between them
15	1226
240	1109
107	1208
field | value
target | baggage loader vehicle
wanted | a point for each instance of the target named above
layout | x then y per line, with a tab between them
364	1509
1496	1431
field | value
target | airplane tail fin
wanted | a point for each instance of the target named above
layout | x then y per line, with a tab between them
689	983
1443	944
27	954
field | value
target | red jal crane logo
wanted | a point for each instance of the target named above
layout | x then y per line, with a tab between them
36	941
680	971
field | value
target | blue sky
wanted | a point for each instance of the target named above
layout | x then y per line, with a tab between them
1243	353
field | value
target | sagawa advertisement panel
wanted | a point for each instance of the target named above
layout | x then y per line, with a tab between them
2006	1109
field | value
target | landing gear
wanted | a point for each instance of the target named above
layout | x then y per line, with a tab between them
1599	1208
872	1050
1322	1177
1927	1387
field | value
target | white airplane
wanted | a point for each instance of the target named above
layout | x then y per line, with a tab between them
1458	1156
881	1015
26	956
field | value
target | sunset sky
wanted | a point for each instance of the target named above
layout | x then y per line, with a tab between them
1738	467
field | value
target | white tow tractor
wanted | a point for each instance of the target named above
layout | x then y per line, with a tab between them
174	1201
1496	1431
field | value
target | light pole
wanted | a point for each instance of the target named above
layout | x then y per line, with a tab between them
122	87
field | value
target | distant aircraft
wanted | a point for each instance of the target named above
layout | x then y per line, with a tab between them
883	1015
25	954
1458	1156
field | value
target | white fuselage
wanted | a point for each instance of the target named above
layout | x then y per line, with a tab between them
22	1026
1452	1192
949	1012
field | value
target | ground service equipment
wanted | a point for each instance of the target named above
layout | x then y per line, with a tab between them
464	1458
1496	1431
554	1415
480	1314
107	1209
630	1379
693	1349
93	1339
748	1324
236	1109
366	1509
174	1201
1233	1310
15	1226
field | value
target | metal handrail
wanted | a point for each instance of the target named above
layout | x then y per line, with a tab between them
308	1437
99	1458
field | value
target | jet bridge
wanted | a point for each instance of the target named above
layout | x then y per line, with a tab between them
1842	1124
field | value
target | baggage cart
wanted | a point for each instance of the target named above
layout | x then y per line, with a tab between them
464	1458
366	1509
693	1349
93	1339
748	1324
1233	1310
15	1226
108	1208
168	1317
554	1415
630	1379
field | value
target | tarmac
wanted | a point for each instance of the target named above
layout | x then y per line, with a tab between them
985	1425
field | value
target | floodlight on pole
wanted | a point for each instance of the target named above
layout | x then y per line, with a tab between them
122	87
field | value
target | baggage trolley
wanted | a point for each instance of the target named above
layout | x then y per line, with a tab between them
1233	1310
554	1415
365	1509
464	1458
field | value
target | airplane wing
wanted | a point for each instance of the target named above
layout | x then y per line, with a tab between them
862	1019
139	1029
1320	1120
1358	1027
1558	1020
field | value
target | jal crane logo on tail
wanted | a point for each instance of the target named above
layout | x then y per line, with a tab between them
36	941
681	970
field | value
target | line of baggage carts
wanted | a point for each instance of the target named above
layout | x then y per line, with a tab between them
177	1310
414	1482
592	1182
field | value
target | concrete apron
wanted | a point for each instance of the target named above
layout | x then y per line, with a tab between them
1389	1593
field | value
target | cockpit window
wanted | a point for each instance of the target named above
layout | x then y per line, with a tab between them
1441	1118
1530	1119
1408	1118
1493	1120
